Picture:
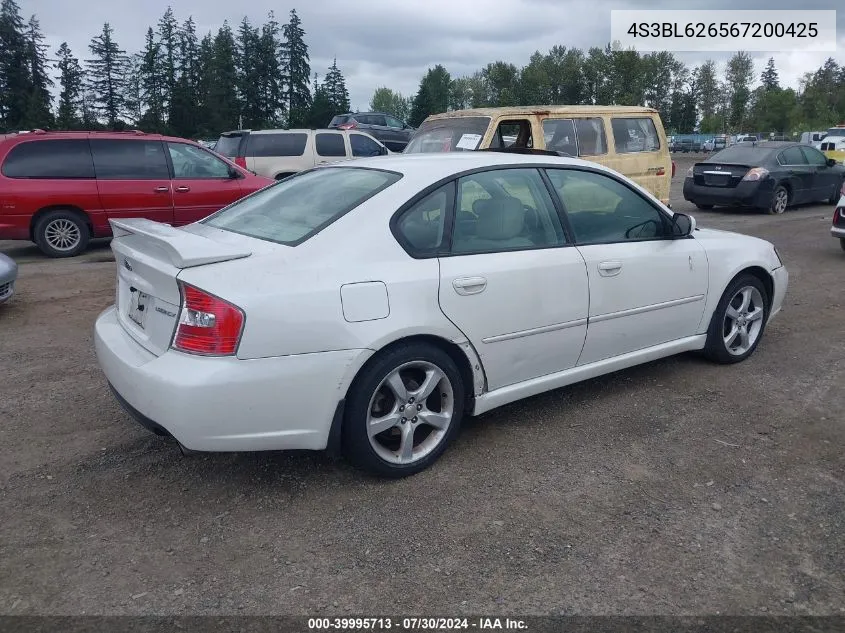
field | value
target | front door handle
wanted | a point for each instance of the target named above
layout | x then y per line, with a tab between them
469	285
161	189
183	188
610	269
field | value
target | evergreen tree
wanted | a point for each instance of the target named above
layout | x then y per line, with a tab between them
168	36
39	113
433	95
296	71
321	111
134	90
205	61
222	82
107	76
15	81
740	71
183	114
769	77
271	95
69	113
152	85
334	87
249	78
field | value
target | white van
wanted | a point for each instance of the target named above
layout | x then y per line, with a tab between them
812	138
281	153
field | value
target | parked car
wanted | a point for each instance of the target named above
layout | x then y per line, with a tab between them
8	276
392	132
686	145
720	143
629	139
278	154
746	138
60	189
833	147
369	305
812	138
709	145
769	175
838	228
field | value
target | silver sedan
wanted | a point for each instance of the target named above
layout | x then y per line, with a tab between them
8	275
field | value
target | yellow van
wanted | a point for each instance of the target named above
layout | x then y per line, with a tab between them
628	139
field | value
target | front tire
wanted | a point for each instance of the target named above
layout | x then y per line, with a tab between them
738	322
704	207
403	410
61	233
780	200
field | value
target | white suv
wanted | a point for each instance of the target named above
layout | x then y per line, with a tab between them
281	153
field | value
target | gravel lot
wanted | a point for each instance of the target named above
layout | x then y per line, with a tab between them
679	487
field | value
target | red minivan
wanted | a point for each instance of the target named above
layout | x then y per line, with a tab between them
59	189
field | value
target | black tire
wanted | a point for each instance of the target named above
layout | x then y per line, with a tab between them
779	203
715	348
51	224
704	207
357	445
842	243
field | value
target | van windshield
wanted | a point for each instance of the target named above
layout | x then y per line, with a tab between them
836	131
448	135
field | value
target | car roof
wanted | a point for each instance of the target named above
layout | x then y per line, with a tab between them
66	134
544	109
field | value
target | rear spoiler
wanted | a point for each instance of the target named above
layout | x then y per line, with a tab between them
184	249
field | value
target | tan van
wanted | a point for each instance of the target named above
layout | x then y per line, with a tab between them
629	139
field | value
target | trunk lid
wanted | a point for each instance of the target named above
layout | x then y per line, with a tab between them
719	174
149	258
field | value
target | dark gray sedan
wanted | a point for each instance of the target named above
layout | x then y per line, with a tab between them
8	275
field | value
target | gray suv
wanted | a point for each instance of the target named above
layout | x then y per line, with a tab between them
392	132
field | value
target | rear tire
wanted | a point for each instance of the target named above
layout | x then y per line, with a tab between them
704	207
738	322
842	243
403	410
780	200
61	233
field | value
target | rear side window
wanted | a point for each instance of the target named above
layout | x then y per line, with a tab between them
634	135
228	145
329	144
299	207
792	156
814	156
129	160
260	145
559	135
591	137
422	226
69	158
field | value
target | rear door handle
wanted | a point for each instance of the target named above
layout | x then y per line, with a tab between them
469	285
610	269
161	189
183	188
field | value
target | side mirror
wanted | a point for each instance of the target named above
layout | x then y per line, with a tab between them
831	162
682	225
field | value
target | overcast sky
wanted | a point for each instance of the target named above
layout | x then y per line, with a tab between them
393	42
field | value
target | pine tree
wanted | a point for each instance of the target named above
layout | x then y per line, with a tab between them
204	108
107	76
249	78
134	90
335	88
183	114
68	115
39	103
168	36
296	71
769	77
321	110
433	95
15	81
222	82
152	85
269	72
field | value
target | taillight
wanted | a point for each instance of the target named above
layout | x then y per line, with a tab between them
347	126
240	161
755	174
207	324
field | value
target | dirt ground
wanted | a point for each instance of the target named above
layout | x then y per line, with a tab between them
679	487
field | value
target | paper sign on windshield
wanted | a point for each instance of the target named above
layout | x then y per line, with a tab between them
469	141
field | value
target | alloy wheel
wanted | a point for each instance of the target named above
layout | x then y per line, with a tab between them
743	320
62	234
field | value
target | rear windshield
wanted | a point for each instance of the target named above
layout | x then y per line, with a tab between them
448	135
741	155
228	145
340	119
301	206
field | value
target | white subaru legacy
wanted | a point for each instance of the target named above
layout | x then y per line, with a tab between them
369	305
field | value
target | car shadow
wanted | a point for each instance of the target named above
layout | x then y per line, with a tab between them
98	250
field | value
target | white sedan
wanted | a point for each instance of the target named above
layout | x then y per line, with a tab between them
369	305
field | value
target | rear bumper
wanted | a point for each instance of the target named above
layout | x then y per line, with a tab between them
781	282
754	194
226	404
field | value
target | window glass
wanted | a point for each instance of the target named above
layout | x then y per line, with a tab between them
376	119
513	134
591	137
814	156
296	208
50	159
190	162
364	145
339	120
129	160
601	209
502	210
423	224
460	134
559	135
393	122
228	145
792	156
329	144
281	144
634	135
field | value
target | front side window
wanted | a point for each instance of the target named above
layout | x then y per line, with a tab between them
118	159
456	134
792	156
603	210
634	134
282	144
504	210
422	226
194	163
61	158
364	145
299	207
513	134
814	156
329	144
